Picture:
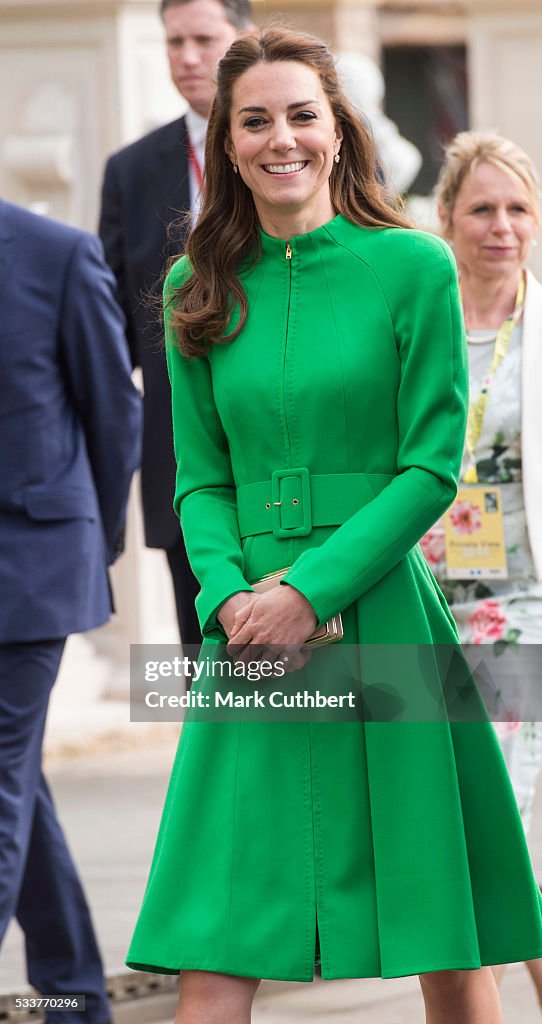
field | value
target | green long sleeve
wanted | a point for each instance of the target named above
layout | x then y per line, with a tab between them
205	490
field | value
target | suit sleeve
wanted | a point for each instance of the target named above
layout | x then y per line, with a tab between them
112	233
205	495
98	372
431	420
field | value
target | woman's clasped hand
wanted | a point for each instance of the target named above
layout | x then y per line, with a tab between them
272	626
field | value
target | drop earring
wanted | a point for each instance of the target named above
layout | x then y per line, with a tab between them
337	157
235	167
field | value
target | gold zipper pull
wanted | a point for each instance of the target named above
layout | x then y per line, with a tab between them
288	251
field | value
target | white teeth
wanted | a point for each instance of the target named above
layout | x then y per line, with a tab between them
285	168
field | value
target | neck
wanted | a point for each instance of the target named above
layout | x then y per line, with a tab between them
488	301
199	113
290	223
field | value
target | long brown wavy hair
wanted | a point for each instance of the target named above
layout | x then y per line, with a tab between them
227	232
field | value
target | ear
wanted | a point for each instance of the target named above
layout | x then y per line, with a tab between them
445	222
230	151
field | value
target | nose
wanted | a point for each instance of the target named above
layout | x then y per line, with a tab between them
189	54
282	137
502	223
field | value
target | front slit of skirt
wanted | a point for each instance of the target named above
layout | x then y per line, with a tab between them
317	957
315	794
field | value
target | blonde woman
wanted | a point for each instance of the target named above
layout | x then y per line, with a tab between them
488	202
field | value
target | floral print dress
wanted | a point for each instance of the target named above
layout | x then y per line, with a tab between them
502	613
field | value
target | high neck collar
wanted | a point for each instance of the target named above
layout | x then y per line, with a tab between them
297	243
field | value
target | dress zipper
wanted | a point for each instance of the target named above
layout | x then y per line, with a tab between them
288	255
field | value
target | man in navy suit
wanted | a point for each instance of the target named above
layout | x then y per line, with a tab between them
70	422
147	188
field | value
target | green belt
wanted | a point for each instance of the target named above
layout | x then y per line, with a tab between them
293	501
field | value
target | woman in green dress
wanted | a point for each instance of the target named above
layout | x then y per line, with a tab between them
318	370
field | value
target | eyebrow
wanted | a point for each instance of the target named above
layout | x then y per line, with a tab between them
491	201
178	38
263	110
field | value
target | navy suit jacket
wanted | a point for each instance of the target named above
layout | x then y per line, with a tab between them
70	422
145	194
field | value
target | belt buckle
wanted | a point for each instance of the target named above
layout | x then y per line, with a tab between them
291	500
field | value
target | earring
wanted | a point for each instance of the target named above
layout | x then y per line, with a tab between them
235	167
337	157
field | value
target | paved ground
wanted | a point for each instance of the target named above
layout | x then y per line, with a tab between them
110	805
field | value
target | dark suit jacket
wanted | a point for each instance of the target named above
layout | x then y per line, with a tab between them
145	191
69	428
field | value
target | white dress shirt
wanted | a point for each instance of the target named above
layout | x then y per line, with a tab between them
197	129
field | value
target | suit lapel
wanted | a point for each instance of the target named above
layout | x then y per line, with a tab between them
170	184
170	173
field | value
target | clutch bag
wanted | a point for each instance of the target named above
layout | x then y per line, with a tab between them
327	633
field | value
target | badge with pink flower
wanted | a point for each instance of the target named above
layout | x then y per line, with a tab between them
474	535
466	517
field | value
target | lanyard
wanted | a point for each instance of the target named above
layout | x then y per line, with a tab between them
195	165
477	410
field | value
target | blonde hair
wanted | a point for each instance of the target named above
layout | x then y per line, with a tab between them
469	149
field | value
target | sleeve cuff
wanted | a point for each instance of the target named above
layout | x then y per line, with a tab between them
211	598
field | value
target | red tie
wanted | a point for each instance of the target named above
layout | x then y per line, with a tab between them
195	164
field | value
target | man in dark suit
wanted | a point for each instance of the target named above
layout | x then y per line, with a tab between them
147	188
70	421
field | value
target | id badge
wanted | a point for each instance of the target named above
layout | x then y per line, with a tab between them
474	535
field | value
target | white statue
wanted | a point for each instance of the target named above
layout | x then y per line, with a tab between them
363	83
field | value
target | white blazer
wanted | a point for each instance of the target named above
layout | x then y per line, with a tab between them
531	416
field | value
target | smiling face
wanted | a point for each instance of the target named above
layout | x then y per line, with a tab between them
283	138
493	223
198	34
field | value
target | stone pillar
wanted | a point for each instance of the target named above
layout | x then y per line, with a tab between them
81	78
505	74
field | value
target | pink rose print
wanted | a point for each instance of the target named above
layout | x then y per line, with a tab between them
506	729
465	517
487	622
433	545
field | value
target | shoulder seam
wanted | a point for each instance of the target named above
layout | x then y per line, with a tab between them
365	263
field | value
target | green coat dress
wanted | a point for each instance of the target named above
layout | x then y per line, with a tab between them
380	848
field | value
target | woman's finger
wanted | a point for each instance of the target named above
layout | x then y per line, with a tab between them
297	660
